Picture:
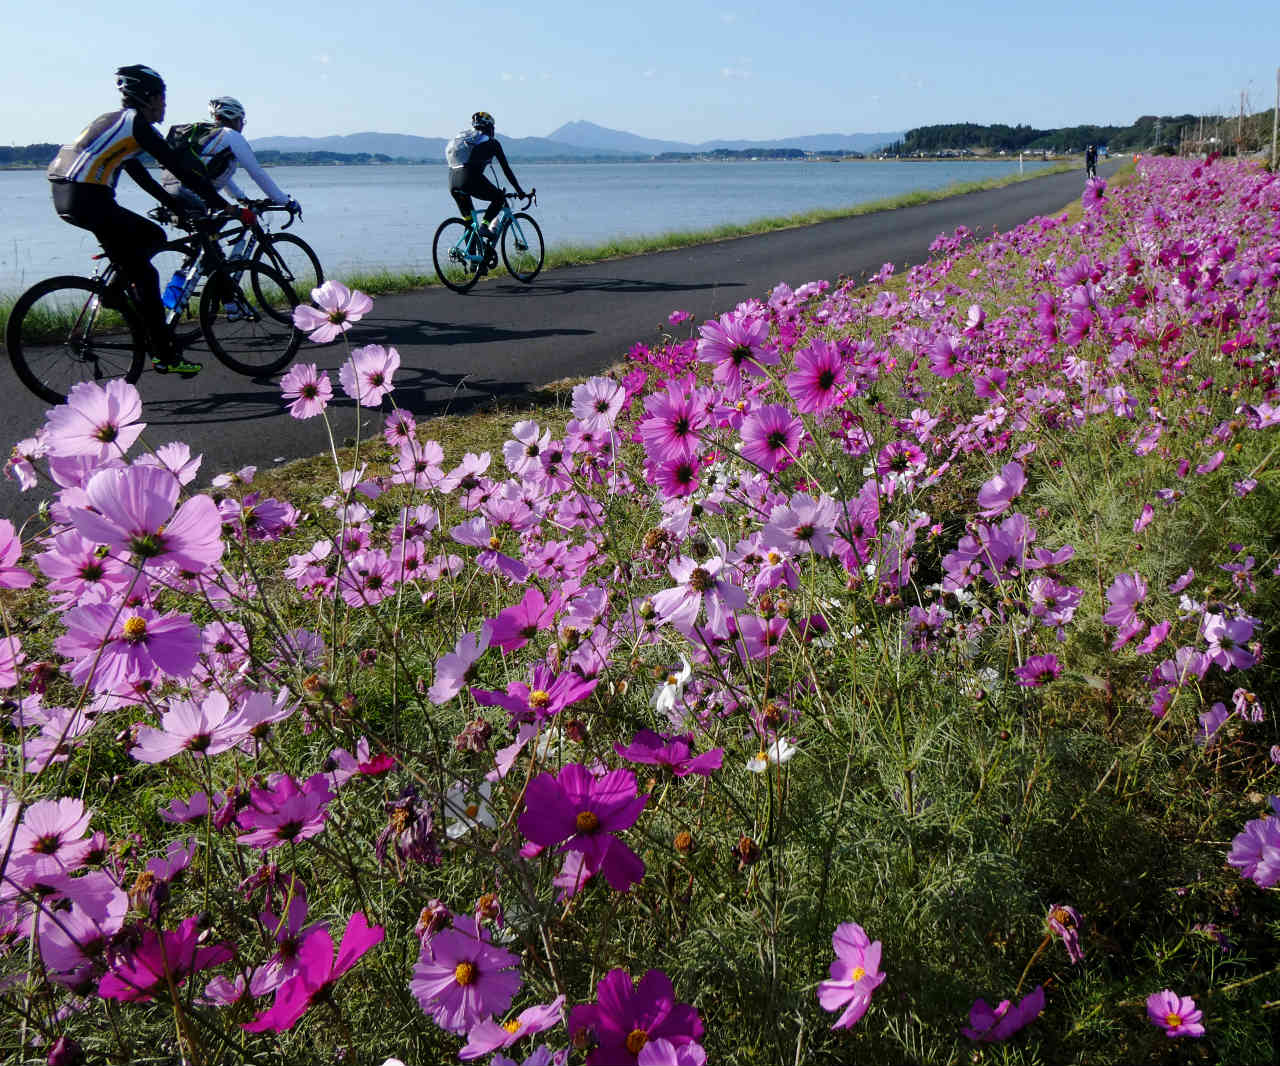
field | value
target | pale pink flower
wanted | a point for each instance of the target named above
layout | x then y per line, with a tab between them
366	376
98	421
308	387
337	307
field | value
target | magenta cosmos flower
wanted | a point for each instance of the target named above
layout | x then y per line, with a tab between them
308	387
1255	851
461	979
337	307
97	421
581	813
285	813
545	695
318	971
109	647
624	1019
771	437
366	376
654	749
11	575
1176	1015
1038	670
855	974
995	495
817	383
131	509
140	974
989	1025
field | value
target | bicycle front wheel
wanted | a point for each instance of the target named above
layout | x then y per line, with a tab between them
246	313
457	261
60	333
293	259
522	249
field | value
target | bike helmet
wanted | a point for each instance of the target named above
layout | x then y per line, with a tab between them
483	121
138	84
226	108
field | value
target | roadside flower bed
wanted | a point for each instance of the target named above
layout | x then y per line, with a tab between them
930	619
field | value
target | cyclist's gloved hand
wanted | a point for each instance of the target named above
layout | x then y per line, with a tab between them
293	206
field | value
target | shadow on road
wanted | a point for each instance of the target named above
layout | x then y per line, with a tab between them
554	285
406	332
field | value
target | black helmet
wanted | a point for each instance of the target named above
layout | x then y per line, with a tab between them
483	121
137	83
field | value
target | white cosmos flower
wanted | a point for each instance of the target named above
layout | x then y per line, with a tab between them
668	696
779	752
465	810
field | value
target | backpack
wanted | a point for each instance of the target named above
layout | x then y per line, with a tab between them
188	140
458	151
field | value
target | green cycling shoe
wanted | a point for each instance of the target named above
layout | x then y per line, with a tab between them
184	368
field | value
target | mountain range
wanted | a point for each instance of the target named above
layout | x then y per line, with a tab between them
574	140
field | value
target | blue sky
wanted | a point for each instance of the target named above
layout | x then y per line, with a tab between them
688	70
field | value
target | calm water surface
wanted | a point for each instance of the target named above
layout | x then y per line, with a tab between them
369	217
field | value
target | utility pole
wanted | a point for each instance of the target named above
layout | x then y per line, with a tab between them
1275	121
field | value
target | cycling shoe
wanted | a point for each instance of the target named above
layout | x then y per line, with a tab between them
184	368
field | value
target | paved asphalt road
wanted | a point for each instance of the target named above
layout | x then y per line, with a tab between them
503	337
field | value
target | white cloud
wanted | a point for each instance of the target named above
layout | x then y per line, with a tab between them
323	58
728	18
735	73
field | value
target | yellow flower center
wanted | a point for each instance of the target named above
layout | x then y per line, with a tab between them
587	822
135	629
495	543
762	756
539	698
859	973
1173	1020
636	1040
511	1026
464	973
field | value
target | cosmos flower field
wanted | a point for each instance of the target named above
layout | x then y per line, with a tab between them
881	672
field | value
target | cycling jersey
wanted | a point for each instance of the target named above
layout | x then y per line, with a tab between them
114	142
469	179
226	140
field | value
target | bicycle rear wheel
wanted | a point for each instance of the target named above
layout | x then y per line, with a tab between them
293	259
522	249
246	313
457	262
60	334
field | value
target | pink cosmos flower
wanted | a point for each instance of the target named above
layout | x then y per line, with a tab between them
452	668
366	376
461	978
661	1052
318	972
597	403
1255	851
204	729
131	509
699	584
514	627
1124	595
337	307
736	344
97	421
307	386
995	495
11	658
625	1018
137	644
488	1035
817	383
675	420
653	749
74	944
285	813
990	1025
771	437
1226	639
582	813
1038	670
50	839
77	573
11	576
1064	921
855	974
1176	1015
145	971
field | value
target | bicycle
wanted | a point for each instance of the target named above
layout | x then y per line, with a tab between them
462	252
68	329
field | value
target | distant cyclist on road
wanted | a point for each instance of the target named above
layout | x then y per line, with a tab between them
83	176
223	148
468	154
1091	161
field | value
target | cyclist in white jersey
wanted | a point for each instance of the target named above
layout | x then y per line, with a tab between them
224	149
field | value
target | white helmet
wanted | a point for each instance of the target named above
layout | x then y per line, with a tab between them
226	108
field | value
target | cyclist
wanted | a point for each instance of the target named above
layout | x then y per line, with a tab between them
223	148
1091	162
468	154
83	176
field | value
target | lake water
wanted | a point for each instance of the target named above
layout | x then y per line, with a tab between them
369	216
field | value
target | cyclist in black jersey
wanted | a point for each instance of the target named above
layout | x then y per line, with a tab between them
467	178
83	177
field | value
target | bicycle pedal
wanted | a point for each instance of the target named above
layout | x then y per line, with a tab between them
182	368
